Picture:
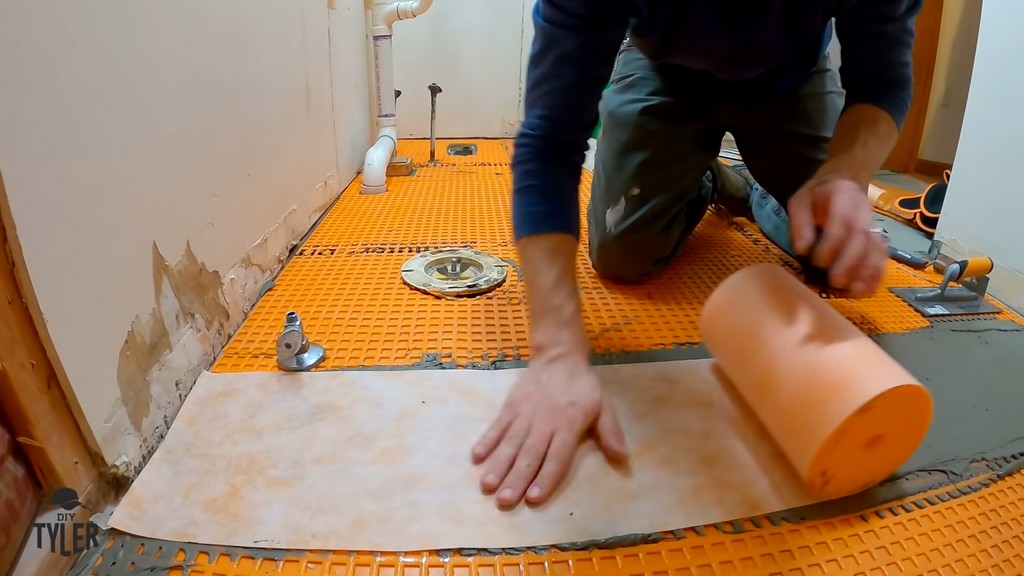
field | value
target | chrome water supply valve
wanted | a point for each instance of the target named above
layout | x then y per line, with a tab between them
295	353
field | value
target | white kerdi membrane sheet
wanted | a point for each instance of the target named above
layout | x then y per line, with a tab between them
381	461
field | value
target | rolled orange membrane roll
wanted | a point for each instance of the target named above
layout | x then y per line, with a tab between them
844	413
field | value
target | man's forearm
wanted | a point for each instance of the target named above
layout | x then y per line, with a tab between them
549	267
863	139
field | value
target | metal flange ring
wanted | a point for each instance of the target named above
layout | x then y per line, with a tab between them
454	272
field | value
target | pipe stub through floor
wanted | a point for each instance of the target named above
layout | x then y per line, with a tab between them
454	272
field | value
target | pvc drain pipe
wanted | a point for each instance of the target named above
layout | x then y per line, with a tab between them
384	14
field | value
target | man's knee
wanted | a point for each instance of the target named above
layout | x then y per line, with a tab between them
617	259
633	247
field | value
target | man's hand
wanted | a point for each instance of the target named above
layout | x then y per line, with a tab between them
835	202
532	444
855	257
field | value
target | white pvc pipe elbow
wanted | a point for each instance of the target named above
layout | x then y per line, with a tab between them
385	13
413	8
378	157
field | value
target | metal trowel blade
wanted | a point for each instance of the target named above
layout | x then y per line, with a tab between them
932	308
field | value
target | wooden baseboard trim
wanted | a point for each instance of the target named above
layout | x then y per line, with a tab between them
930	167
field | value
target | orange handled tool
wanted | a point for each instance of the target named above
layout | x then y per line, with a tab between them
971	268
967	298
955	272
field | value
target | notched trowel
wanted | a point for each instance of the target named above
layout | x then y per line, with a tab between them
947	300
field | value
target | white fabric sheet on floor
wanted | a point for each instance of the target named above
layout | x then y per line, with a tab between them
380	460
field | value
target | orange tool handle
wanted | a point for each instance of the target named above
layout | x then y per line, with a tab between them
972	268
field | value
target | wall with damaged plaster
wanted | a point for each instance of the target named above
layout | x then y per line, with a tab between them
161	158
981	214
473	50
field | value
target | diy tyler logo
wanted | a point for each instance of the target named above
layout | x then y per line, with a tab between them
68	535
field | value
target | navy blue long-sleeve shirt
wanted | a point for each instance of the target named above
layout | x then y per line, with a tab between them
738	46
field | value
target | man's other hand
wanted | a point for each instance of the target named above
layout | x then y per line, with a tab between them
532	444
855	257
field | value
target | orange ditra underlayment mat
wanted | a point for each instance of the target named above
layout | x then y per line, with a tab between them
345	280
981	532
345	283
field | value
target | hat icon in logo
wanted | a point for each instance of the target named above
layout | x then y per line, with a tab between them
66	498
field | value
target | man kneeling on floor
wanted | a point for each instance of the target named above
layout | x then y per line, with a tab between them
687	73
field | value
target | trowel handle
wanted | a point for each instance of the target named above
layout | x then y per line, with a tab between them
971	268
912	260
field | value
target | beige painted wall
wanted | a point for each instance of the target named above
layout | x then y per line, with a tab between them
350	65
981	213
160	159
473	50
950	85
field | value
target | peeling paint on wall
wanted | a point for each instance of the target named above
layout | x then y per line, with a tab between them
191	295
195	311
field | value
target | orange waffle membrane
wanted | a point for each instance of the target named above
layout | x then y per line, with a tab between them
346	285
948	531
